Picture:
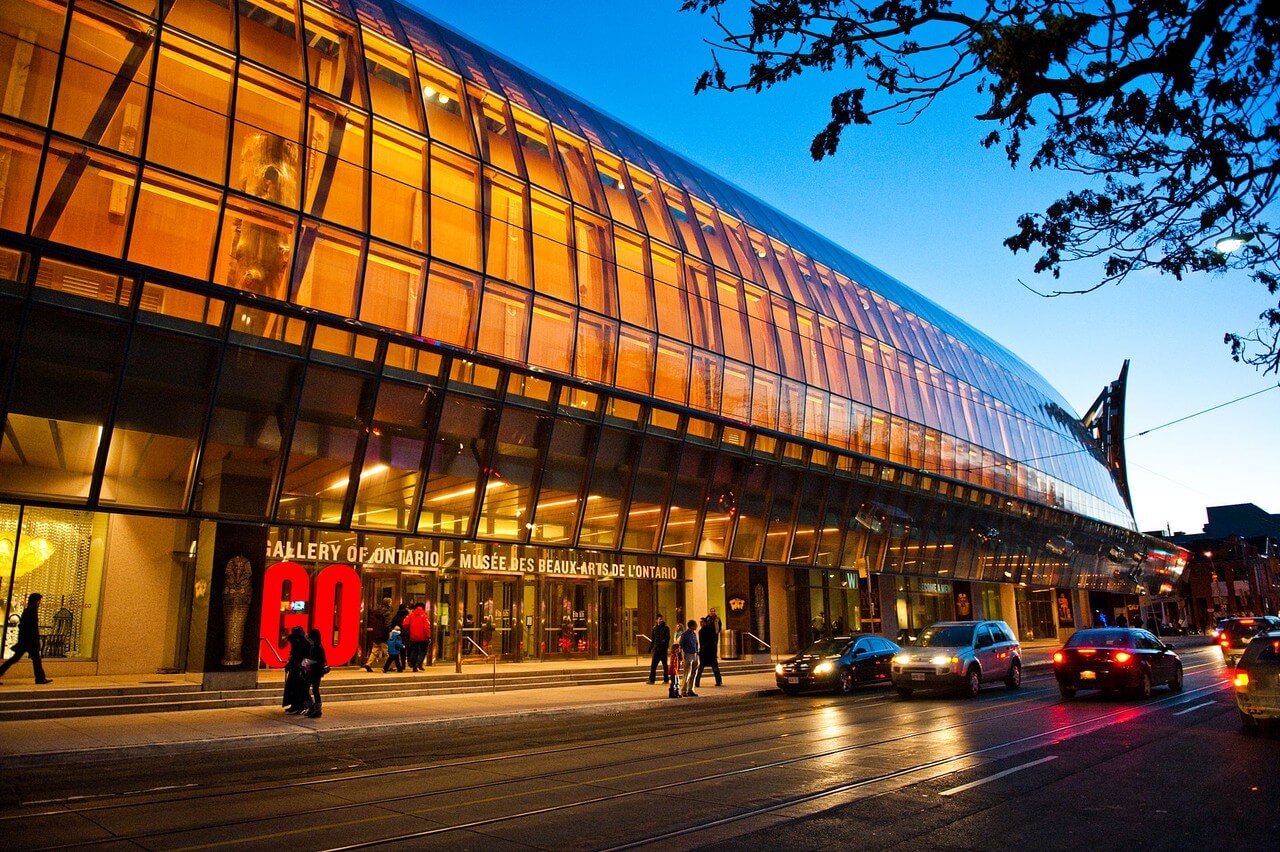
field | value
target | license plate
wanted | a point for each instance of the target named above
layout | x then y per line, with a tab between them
1086	675
793	680
917	677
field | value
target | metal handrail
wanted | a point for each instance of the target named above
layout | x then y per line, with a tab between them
275	653
638	637
761	641
487	654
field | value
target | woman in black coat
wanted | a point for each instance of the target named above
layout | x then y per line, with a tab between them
295	683
317	662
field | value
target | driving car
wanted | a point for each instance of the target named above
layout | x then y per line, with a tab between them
1257	682
959	655
839	664
1234	634
1111	658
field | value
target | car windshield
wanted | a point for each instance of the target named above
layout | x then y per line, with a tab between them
1100	639
826	648
947	636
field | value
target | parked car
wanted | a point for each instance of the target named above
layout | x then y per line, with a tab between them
840	664
1112	658
1257	681
1234	634
961	655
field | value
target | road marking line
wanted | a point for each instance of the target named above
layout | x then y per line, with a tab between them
1197	707
973	784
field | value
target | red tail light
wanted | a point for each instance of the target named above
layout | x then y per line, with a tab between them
1058	657
1242	679
1087	651
1122	656
1225	641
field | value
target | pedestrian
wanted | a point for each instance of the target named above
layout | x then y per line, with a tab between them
419	627
295	683
315	668
673	691
689	649
715	621
395	648
377	626
397	620
29	639
708	650
1121	621
659	644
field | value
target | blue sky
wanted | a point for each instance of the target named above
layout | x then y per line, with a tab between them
927	204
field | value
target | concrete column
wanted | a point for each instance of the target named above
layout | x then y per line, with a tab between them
889	624
979	609
1009	606
695	591
1084	617
782	620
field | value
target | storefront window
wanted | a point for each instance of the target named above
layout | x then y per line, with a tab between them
60	555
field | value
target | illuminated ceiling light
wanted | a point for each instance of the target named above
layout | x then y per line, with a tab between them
1235	242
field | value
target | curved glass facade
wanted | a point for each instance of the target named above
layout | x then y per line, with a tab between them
361	161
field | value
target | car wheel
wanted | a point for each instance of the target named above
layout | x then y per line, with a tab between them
1014	680
1144	686
1248	724
904	691
972	683
1068	692
1175	685
844	682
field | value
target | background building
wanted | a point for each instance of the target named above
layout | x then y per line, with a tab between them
1234	566
307	304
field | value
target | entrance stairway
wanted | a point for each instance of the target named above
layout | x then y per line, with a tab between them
156	694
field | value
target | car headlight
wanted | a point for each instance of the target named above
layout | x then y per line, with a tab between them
901	658
941	660
778	668
823	668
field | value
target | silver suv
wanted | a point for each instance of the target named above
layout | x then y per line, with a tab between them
959	654
1257	682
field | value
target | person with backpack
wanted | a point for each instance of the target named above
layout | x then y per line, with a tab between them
395	648
419	627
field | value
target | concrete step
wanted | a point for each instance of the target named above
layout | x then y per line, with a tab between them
157	698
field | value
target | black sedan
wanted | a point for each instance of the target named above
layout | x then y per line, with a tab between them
1112	658
838	664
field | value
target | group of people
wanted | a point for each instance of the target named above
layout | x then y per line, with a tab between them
401	638
306	667
685	656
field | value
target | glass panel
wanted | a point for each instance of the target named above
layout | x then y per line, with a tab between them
449	313
182	310
671	376
461	454
610	485
102	88
635	360
63	382
753	493
333	56
833	520
764	345
721	507
552	257
269	34
208	19
668	293
20	151
393	456
30	41
506	243
584	182
397	205
651	206
703	323
268	129
596	348
336	162
551	337
777	542
504	321
455	219
595	272
563	477
713	235
188	122
175	212
733	322
83	282
391	83
505	512
635	300
688	231
622	204
442	98
331	421
328	279
687	500
253	414
489	113
736	404
808	508
656	462
153	446
84	199
394	281
534	135
764	400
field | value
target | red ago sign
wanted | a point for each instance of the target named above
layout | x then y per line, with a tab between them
333	607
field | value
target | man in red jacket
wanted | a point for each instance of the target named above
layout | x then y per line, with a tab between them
418	626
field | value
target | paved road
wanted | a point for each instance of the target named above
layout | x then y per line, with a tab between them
1007	770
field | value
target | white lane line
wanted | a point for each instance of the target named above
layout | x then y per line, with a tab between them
1197	707
973	784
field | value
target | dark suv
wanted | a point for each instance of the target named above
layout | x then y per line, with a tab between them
1234	634
961	655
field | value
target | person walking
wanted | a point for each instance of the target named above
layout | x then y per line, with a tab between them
377	626
419	627
395	648
659	645
314	669
689	648
295	683
673	691
29	639
708	650
397	620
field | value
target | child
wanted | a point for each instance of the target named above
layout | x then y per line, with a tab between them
673	665
395	647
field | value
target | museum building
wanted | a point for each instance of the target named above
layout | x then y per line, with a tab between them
305	304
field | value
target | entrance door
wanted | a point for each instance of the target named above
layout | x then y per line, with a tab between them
422	589
490	613
569	613
607	618
376	588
